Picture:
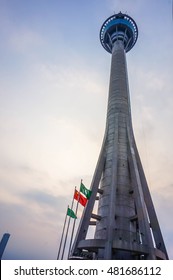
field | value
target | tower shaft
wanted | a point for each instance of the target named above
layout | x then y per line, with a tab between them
126	225
116	203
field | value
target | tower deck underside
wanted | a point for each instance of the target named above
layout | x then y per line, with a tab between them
126	223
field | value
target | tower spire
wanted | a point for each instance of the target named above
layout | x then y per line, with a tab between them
126	226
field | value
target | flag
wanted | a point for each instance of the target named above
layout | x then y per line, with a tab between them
79	197
85	191
71	213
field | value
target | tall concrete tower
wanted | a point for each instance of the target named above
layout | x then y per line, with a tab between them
126	225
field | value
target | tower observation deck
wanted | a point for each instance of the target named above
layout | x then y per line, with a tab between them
125	225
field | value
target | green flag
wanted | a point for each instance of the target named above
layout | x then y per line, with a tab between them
85	191
71	213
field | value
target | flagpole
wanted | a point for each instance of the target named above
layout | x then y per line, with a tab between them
67	230
73	224
81	183
62	235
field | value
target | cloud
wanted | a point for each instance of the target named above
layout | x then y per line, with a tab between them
26	224
24	40
80	79
19	37
124	6
36	213
40	197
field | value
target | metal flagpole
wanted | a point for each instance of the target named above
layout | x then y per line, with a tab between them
80	183
67	230
62	234
74	224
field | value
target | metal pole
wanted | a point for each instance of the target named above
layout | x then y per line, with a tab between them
67	231
73	224
62	234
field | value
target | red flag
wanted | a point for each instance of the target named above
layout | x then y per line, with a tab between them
79	197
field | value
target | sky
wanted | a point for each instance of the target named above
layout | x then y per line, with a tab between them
54	79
